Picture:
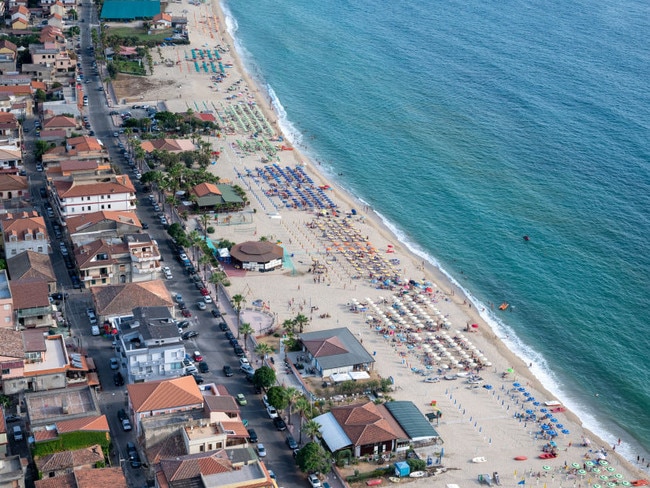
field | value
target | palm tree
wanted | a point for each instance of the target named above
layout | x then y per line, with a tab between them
246	330
292	393
195	241
289	326
237	302
217	278
312	429
303	408
263	349
205	260
301	320
205	220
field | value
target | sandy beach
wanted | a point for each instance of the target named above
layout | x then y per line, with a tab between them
338	266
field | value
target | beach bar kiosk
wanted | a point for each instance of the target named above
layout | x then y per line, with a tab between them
402	469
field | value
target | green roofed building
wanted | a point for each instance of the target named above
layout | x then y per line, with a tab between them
129	9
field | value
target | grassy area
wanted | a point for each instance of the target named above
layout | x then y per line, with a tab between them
140	34
129	67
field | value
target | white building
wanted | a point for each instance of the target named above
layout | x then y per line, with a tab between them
24	231
84	195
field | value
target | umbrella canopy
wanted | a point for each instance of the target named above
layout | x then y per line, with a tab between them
546	468
575	465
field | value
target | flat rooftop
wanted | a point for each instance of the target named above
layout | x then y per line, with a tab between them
54	358
54	405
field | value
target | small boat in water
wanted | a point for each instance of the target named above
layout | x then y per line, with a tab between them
504	306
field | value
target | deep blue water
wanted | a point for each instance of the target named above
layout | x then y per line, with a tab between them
467	126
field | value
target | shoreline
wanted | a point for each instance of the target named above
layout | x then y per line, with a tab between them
451	291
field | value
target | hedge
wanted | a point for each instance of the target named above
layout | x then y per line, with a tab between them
71	441
377	473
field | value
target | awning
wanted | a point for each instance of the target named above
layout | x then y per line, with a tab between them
359	375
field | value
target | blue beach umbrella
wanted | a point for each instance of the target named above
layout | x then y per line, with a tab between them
565	431
536	404
559	426
526	394
552	433
543	410
529	412
545	427
521	389
516	385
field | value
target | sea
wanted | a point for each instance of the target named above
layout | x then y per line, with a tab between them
469	125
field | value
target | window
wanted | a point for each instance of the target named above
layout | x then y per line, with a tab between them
7	306
7	319
102	207
6	371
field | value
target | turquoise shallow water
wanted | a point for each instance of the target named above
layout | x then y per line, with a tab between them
467	126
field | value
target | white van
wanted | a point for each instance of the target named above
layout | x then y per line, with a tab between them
94	330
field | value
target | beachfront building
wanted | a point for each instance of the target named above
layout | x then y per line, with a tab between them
216	197
365	429
257	256
335	353
128	10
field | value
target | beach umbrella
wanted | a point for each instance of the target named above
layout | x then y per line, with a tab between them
618	476
559	426
546	468
529	412
603	477
534	403
582	472
575	465
543	410
565	431
602	462
611	484
553	419
610	469
589	463
597	486
626	483
595	470
545	427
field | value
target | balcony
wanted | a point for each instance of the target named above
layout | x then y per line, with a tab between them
141	257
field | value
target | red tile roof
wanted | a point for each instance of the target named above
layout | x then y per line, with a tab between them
195	465
365	424
325	347
68	189
29	294
94	423
165	394
120	299
203	189
78	223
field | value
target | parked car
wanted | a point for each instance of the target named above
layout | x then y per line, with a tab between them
223	326
229	335
207	298
216	314
203	367
201	305
167	272
241	399
227	370
126	425
204	291
132	454
314	481
198	378
191	370
115	364
247	369
261	450
265	400
13	418
239	351
272	412
252	435
279	424
291	442
189	334
118	379
121	414
243	361
186	313
196	355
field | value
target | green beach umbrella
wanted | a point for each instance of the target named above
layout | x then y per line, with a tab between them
611	469
582	472
618	476
596	470
602	462
589	463
611	484
546	468
603	477
575	465
597	486
626	483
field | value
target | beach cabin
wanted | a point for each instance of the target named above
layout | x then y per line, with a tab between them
402	469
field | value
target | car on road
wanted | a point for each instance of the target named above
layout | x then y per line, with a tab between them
216	314
207	298
252	435
223	326
229	335
197	356
314	481
13	418
91	315
198	378
272	412
243	361
184	324
163	221
94	330
201	305
132	454
203	367
167	272
261	450
241	399
145	226
18	433
186	313
247	369
239	351
118	379
126	425
279	424
39	167
115	364
189	334
291	442
227	370
191	369
121	414
204	292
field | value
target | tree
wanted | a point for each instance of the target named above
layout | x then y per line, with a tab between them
304	409
289	326
246	330
277	396
313	458
264	377
40	95
301	320
205	220
41	148
195	241
311	428
237	302
263	349
292	394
